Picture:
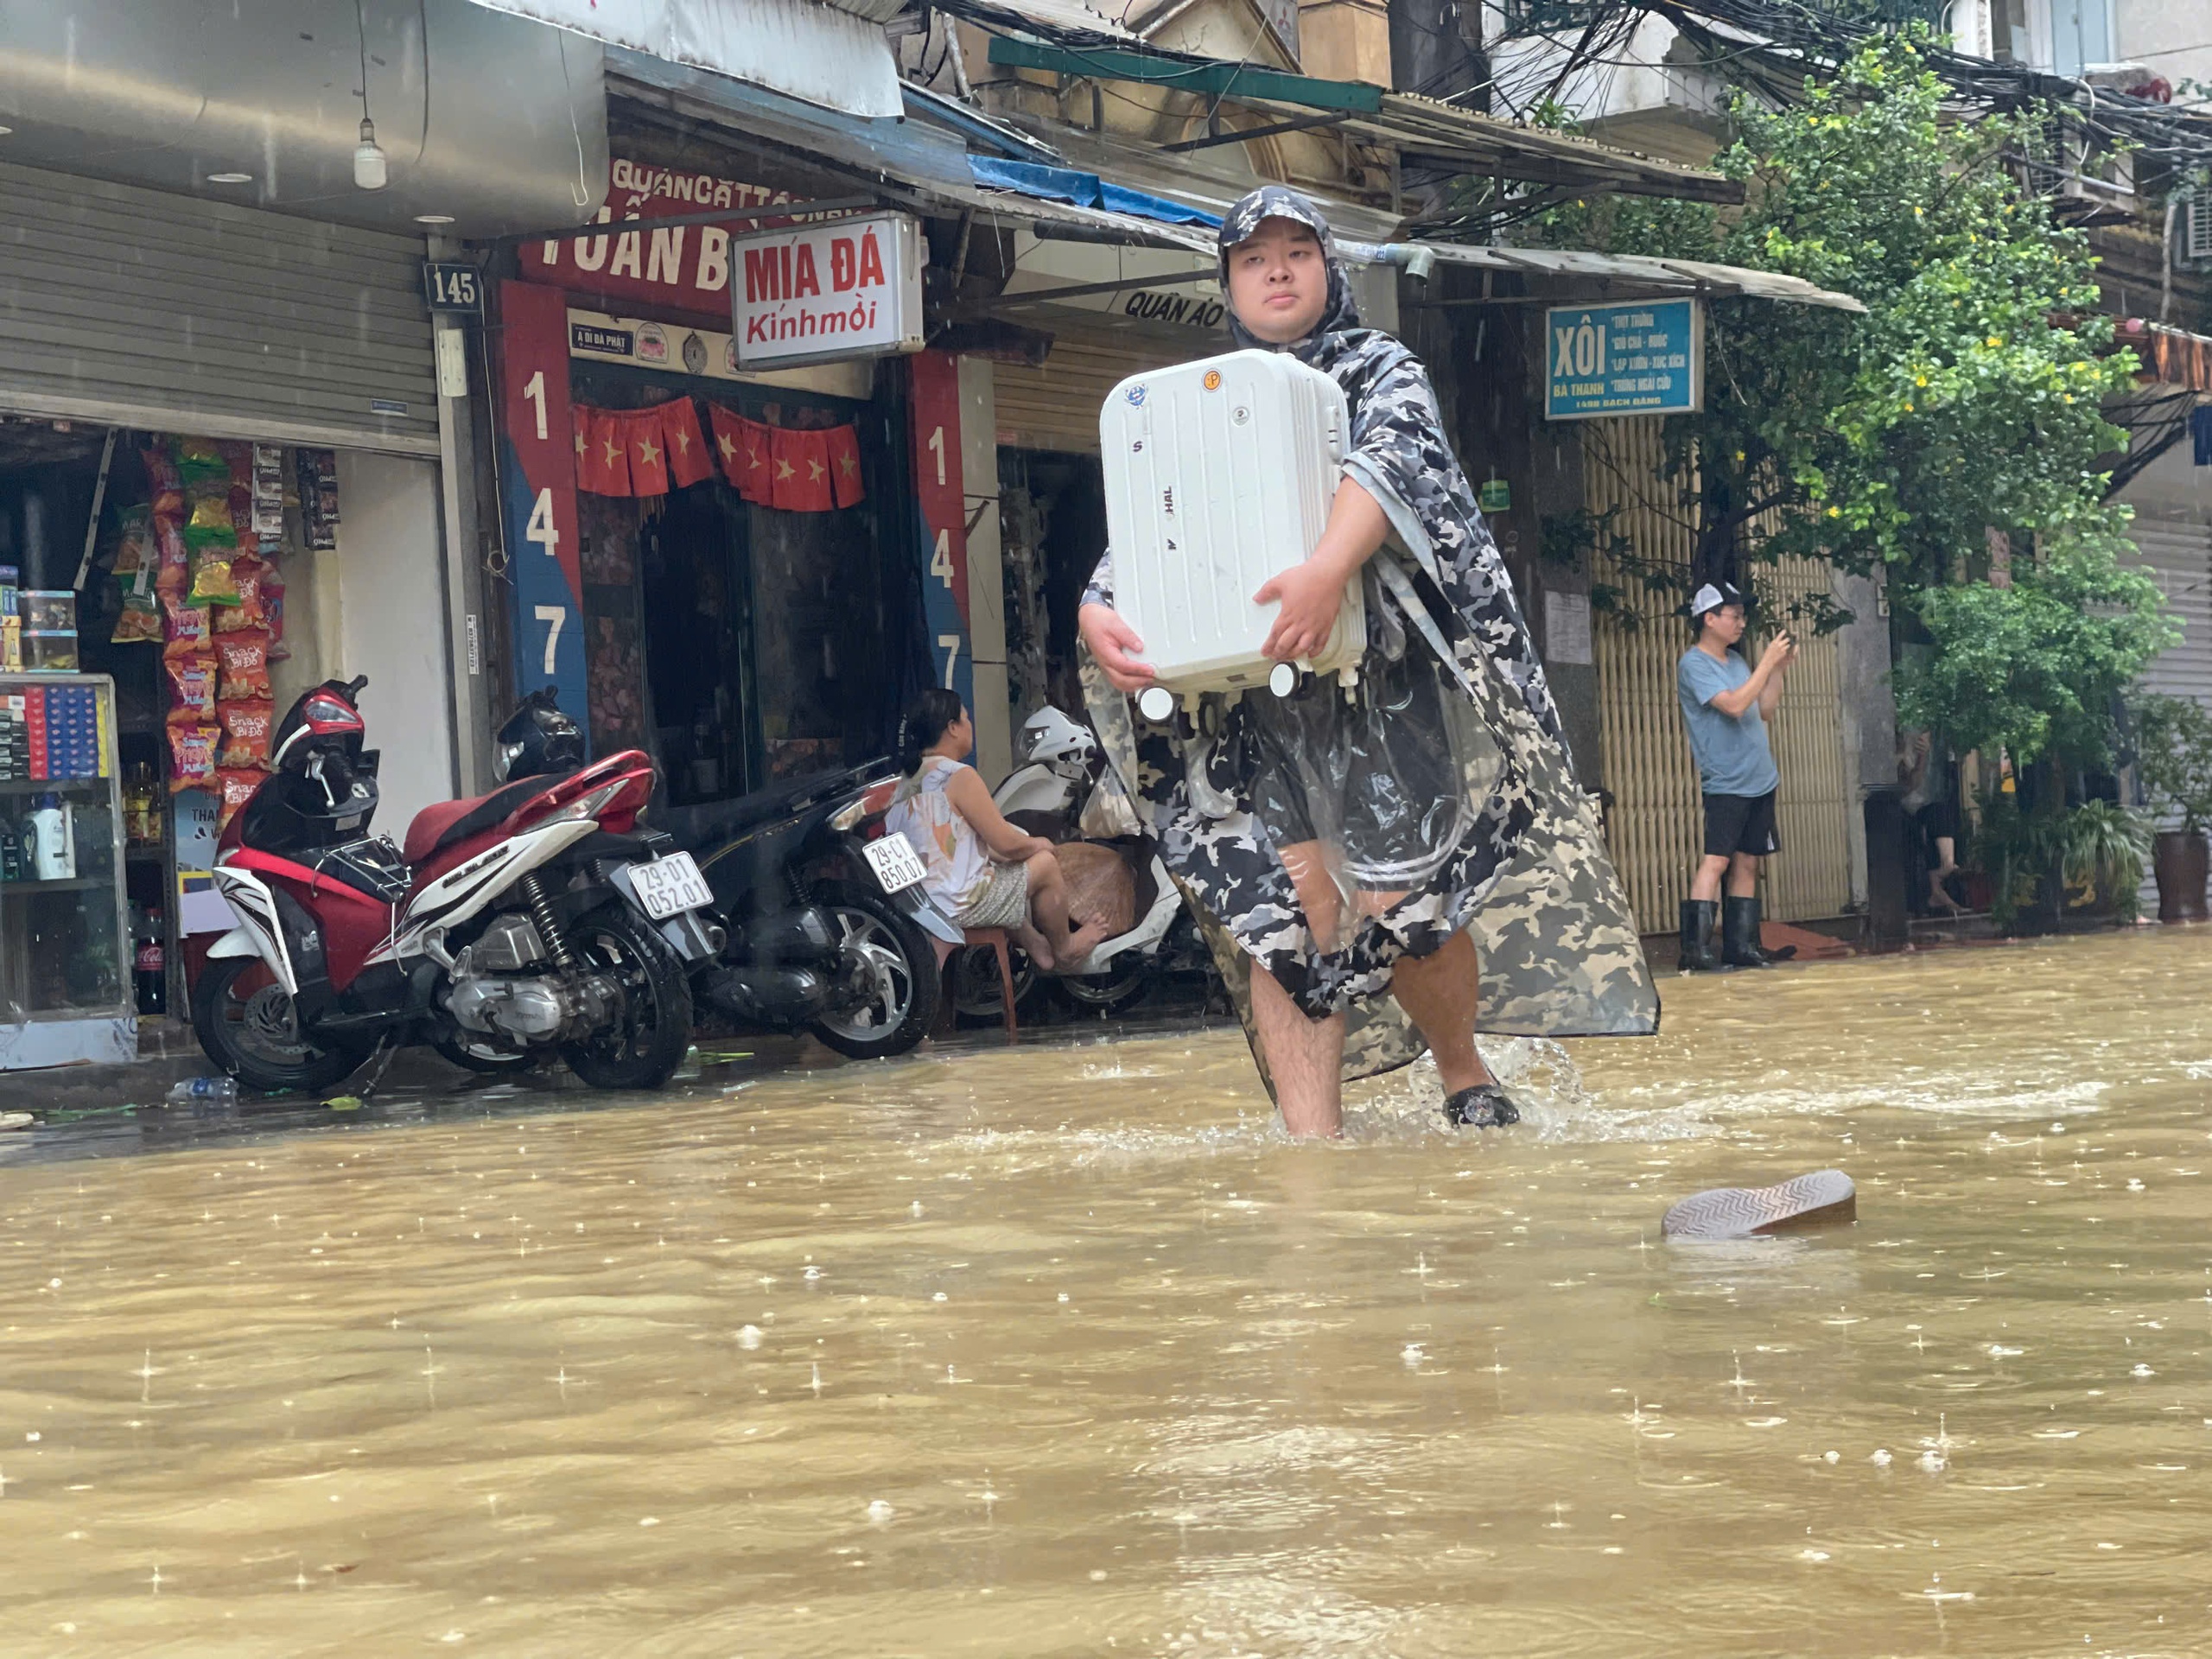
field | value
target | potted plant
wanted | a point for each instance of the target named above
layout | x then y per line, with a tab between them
2104	847
2173	762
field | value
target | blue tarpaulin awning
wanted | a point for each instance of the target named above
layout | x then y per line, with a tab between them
1083	190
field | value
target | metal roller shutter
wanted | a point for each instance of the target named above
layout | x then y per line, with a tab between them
1057	407
2179	554
140	308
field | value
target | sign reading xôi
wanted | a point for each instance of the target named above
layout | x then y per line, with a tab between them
1641	358
813	294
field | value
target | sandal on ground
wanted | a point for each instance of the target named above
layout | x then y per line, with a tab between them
1486	1106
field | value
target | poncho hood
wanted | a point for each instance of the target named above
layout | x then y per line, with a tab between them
1338	316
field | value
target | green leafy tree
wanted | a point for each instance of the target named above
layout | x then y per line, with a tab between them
1967	395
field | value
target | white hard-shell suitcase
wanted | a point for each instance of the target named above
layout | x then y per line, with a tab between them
1219	476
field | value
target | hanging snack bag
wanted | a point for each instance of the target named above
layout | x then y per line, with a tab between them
247	726
161	469
190	632
245	665
198	460
138	621
272	606
212	583
191	757
235	789
172	572
248	611
193	681
134	543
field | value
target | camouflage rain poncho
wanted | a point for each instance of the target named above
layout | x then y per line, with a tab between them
1445	778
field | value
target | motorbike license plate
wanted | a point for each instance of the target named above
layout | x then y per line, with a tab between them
892	857
668	884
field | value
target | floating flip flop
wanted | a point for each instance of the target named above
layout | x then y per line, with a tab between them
1815	1200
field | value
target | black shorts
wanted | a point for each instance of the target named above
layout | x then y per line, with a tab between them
1938	820
1740	823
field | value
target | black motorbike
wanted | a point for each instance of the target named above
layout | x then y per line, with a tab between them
828	928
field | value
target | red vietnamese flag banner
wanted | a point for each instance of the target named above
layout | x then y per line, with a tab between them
690	462
845	466
802	463
743	447
648	459
605	466
756	462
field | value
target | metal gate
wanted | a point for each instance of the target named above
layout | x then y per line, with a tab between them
1056	407
1656	823
2179	554
134	307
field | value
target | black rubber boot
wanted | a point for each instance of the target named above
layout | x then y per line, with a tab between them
1697	937
1486	1106
1740	935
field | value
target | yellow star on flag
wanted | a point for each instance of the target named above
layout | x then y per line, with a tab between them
683	442
784	470
847	465
816	469
580	441
647	452
613	451
729	449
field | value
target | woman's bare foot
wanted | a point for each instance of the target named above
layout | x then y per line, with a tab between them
1032	942
1082	941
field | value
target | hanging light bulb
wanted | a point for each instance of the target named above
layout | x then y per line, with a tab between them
369	171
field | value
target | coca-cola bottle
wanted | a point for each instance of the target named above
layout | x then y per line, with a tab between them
149	968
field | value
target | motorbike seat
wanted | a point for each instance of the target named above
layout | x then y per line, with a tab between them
442	825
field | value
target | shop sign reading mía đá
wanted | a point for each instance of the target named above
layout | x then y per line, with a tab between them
815	293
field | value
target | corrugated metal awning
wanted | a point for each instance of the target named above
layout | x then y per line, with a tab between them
1644	275
836	53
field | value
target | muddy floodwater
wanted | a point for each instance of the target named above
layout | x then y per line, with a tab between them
1063	1349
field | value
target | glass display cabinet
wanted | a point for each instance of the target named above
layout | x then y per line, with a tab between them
65	930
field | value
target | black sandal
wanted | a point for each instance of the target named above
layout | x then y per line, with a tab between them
1486	1106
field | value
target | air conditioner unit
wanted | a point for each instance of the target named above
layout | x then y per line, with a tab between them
2196	227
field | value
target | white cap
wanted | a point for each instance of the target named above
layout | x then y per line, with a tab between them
1712	598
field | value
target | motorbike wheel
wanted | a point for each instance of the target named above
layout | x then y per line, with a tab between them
1122	984
655	1034
976	981
472	1053
252	1032
901	963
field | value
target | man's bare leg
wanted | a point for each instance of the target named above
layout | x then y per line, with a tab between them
1440	994
1304	1058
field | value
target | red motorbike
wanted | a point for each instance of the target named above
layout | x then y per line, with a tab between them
534	919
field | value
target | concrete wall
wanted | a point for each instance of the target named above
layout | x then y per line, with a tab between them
390	625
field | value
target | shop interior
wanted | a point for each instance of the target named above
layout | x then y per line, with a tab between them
738	642
170	565
1053	513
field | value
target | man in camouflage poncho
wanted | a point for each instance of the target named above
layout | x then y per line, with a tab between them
1356	860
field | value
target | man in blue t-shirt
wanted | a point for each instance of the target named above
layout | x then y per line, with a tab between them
1726	704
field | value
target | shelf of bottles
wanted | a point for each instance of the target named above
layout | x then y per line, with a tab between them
66	944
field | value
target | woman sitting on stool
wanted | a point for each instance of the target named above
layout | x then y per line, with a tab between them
981	870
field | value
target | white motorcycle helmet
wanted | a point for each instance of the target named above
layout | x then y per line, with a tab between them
1050	738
